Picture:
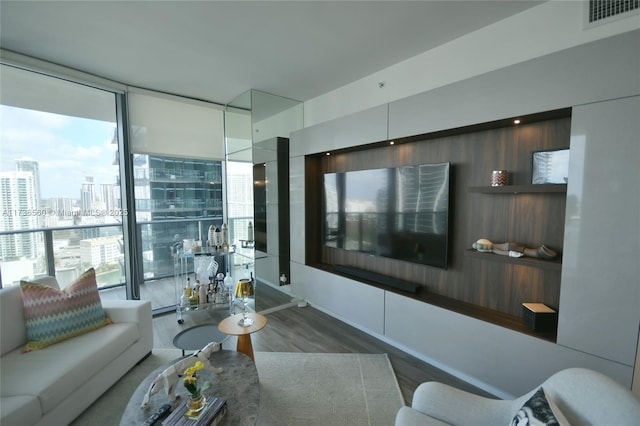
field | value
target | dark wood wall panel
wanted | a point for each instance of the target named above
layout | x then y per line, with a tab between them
530	219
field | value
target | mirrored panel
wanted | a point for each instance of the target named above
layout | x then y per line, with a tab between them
273	119
239	186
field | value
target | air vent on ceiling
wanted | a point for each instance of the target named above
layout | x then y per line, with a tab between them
599	10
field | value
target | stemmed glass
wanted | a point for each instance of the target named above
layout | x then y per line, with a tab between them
246	291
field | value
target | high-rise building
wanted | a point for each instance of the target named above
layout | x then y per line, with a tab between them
87	194
32	166
19	206
109	196
176	199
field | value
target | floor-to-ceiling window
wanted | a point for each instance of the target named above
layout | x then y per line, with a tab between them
176	199
106	179
177	146
60	197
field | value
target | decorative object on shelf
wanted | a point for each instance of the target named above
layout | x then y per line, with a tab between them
513	249
212	269
212	236
483	245
539	317
187	245
244	290
250	231
228	283
217	235
550	167
202	294
184	298
169	377
247	243
499	178
225	237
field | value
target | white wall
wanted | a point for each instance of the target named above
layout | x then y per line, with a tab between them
550	27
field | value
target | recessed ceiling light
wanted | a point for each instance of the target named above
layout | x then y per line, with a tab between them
328	153
392	143
516	121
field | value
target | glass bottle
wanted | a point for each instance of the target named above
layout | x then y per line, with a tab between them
184	298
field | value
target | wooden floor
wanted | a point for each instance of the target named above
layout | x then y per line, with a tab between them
295	329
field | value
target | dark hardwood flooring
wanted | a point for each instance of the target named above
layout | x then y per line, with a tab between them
295	329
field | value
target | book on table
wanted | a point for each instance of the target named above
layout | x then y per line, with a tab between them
211	414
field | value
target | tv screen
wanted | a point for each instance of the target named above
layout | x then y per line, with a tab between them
400	212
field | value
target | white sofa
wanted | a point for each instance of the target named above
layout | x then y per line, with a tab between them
52	386
584	397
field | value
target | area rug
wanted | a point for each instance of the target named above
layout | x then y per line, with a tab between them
107	410
295	389
326	389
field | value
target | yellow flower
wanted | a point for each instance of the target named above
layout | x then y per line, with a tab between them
191	379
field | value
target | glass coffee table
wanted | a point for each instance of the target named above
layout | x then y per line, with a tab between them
197	337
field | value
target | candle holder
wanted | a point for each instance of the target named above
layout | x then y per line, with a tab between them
498	178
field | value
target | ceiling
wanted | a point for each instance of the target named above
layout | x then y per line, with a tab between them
217	50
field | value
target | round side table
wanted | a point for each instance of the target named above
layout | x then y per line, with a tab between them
197	337
230	326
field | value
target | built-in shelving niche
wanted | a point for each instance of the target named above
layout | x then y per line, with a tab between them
488	287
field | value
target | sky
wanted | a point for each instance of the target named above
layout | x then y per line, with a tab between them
66	148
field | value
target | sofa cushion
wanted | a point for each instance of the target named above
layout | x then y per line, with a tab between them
52	374
539	410
54	315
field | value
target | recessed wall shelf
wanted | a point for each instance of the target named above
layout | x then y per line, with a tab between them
485	286
520	189
554	265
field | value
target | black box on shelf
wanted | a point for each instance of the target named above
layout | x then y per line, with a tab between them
539	317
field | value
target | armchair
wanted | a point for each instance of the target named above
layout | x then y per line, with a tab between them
582	396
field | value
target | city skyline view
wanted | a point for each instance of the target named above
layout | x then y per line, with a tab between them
62	188
67	149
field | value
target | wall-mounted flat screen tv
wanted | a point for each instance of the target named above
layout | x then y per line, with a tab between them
400	213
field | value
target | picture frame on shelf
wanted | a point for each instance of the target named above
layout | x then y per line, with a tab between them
550	167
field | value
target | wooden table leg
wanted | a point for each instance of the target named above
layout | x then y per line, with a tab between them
244	345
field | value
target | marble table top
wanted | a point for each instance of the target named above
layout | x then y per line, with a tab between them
237	383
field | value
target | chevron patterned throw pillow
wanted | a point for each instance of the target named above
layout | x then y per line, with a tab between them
53	315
